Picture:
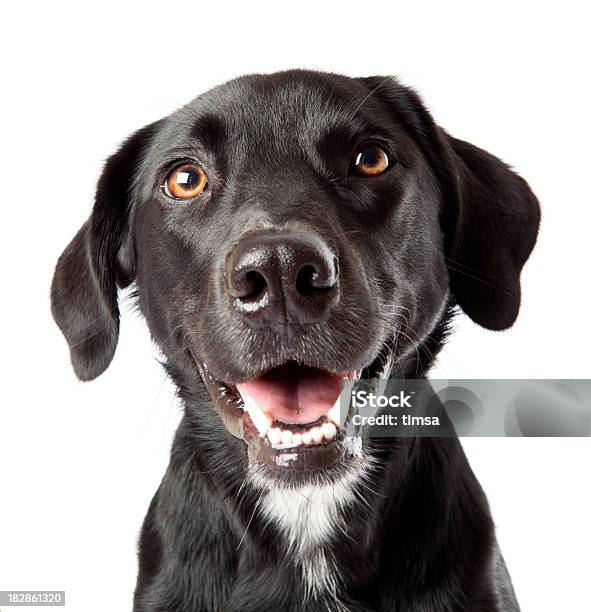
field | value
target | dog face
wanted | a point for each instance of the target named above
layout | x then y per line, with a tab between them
287	232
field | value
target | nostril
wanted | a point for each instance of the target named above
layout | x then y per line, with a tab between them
305	279
310	281
249	286
257	284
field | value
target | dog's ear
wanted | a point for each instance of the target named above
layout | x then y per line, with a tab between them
490	216
98	260
496	225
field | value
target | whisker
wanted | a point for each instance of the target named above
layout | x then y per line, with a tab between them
250	521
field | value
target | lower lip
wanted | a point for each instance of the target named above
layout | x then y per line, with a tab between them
300	459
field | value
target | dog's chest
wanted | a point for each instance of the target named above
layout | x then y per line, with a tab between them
310	520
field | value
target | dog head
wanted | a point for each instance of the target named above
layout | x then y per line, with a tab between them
286	232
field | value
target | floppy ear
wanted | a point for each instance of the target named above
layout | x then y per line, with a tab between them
496	225
98	260
490	216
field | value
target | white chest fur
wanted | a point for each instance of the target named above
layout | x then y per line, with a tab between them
309	517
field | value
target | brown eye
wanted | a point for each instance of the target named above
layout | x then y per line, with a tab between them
186	181
370	160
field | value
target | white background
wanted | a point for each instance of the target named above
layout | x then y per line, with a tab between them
80	462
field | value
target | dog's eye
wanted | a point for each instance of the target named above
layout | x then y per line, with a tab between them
186	181
370	160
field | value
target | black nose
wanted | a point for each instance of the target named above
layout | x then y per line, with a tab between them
278	278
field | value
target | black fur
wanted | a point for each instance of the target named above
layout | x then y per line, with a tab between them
450	225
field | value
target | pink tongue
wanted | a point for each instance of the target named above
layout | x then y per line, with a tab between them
294	394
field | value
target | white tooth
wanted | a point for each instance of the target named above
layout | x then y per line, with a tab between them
306	438
274	435
286	438
316	433
329	431
334	414
261	420
296	439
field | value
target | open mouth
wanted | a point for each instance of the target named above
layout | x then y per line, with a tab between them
289	416
295	405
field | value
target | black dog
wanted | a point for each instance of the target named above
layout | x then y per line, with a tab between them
287	232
